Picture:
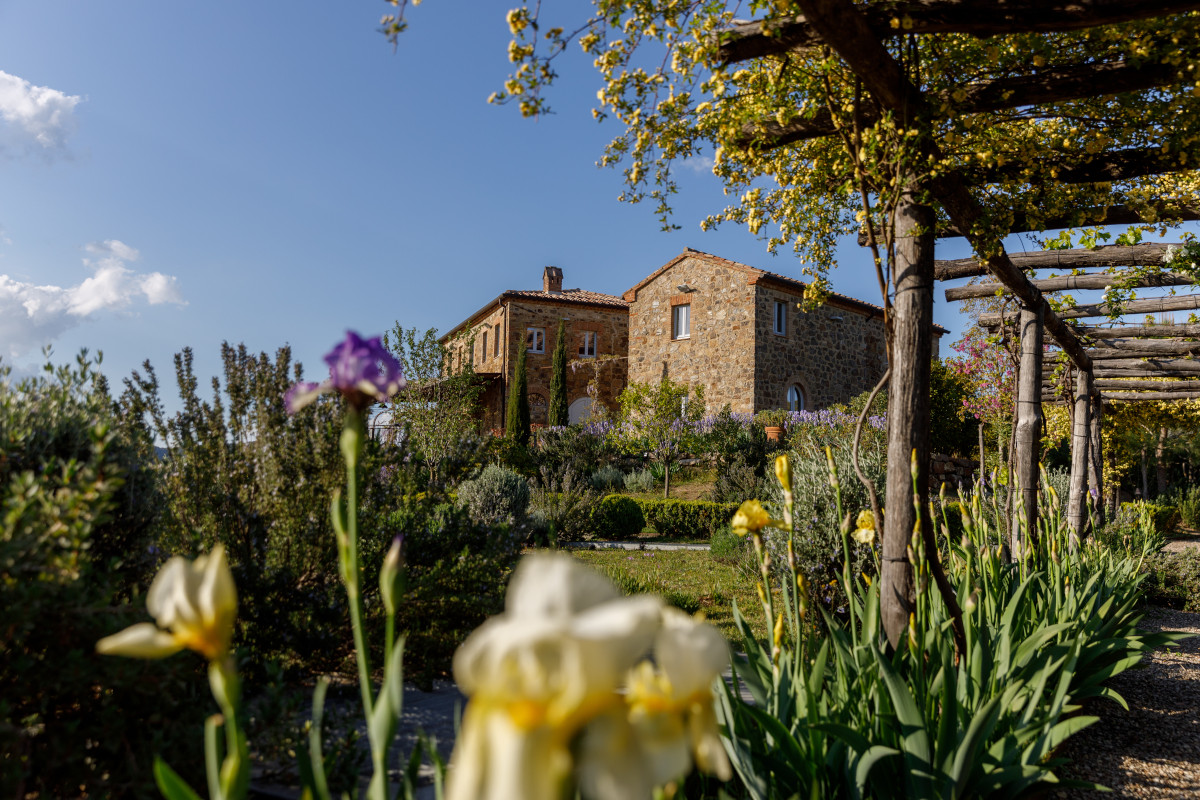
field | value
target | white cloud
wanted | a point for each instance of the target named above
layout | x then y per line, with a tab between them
34	119
32	316
701	165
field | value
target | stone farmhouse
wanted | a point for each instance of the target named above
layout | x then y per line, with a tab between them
597	327
699	319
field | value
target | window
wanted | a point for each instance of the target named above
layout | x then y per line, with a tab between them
781	318
587	349
484	346
681	322
795	398
496	346
535	340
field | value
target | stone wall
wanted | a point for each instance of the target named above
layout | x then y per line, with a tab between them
719	353
957	473
832	353
511	321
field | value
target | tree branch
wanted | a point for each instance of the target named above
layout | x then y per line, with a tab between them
759	38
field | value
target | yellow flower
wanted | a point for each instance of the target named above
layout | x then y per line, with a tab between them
750	516
865	532
671	706
783	472
193	603
539	673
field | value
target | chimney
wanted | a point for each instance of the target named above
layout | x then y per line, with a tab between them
552	280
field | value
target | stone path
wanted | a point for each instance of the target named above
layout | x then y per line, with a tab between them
1153	749
636	545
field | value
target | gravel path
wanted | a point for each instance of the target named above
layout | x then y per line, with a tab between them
1153	749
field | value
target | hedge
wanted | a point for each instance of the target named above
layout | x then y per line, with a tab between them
691	519
616	515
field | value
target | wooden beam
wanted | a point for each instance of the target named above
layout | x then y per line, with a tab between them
1143	348
1150	305
1189	330
1174	364
1065	282
745	40
1153	254
1142	255
1104	167
1158	386
1044	86
1157	211
1104	371
1132	397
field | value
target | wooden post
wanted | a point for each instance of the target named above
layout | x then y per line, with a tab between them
908	407
1096	459
1026	455
1080	436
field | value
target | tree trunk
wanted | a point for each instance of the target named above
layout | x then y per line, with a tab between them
1096	460
1145	476
908	408
1027	454
666	479
1160	462
1080	438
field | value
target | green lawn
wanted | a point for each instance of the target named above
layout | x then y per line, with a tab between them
690	579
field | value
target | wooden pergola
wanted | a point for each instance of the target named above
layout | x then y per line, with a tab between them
1128	363
856	33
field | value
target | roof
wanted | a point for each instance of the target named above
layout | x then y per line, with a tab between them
757	275
579	297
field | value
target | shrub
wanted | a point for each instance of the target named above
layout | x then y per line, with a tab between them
498	496
575	448
1138	525
641	480
564	506
617	515
1174	579
78	500
243	472
727	546
737	483
818	540
1188	503
686	519
608	478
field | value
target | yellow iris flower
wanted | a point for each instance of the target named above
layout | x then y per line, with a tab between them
750	517
193	603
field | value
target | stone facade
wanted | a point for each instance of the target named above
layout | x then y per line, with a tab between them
732	347
828	355
597	330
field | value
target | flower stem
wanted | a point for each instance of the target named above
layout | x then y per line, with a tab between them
351	443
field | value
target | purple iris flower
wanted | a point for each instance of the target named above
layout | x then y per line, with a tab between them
361	370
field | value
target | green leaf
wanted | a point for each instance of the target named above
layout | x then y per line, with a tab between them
170	784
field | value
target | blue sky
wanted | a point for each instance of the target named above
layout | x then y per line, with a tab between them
274	173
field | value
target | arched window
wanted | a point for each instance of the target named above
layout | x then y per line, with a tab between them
795	398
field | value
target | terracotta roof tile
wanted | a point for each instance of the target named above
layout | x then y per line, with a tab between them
578	296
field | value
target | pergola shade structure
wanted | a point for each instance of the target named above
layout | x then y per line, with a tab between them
935	192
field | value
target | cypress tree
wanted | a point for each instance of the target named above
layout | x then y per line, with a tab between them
516	422
559	413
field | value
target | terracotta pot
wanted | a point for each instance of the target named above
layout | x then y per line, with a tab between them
774	433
